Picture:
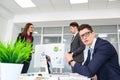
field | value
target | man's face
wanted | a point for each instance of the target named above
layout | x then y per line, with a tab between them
72	29
87	36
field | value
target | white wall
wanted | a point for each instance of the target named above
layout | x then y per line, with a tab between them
9	30
6	29
3	27
15	32
70	15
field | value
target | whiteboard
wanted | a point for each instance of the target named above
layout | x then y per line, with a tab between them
54	51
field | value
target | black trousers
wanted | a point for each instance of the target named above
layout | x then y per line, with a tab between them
25	67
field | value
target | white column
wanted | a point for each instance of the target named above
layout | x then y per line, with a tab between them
9	30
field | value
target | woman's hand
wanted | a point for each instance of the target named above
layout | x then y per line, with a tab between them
33	51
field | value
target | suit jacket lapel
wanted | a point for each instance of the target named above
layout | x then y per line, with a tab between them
75	37
96	44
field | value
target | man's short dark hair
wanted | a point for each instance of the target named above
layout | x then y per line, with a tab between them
74	24
83	26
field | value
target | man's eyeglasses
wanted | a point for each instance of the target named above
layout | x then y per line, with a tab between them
85	34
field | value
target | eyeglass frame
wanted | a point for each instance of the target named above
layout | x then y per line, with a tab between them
85	34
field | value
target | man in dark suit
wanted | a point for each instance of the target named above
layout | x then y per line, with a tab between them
103	58
76	47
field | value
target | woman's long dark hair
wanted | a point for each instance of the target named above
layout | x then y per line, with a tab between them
24	33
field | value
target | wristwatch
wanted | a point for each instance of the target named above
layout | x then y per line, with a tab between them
70	61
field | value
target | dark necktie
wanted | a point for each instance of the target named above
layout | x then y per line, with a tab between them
88	58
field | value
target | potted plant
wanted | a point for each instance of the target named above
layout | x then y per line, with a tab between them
12	56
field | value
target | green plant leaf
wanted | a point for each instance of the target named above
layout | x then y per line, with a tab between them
15	53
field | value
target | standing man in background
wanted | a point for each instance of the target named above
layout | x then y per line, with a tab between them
76	47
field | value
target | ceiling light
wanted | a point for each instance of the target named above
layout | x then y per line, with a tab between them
78	1
25	3
112	0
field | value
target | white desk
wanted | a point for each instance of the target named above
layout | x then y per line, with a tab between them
70	76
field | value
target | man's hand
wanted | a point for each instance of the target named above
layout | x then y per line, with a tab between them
95	77
68	57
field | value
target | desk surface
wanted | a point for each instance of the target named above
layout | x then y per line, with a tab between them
70	76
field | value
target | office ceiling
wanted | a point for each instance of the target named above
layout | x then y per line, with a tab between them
10	7
45	6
